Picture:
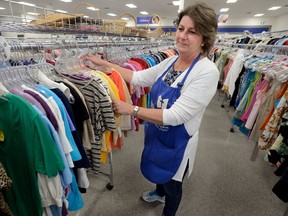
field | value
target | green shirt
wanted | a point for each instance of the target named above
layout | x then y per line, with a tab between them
27	148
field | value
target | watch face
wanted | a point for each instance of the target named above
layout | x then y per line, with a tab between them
136	108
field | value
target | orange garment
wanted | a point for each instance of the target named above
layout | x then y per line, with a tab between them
279	95
116	141
118	144
117	79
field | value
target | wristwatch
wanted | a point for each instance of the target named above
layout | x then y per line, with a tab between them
135	110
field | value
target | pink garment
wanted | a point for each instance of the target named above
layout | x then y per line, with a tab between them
255	109
137	65
129	66
227	68
258	87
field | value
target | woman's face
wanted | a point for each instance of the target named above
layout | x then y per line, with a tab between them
188	41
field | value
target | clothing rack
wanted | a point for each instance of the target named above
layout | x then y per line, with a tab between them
109	185
21	46
83	32
251	49
257	49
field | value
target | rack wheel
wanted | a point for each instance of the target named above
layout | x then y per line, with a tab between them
109	186
222	106
232	130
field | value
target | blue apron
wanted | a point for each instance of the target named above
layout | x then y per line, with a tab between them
164	146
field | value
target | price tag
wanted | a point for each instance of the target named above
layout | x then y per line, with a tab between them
2	137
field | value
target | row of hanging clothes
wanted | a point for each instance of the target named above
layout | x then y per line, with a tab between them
256	84
264	38
57	121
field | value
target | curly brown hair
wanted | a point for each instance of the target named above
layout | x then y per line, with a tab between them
206	23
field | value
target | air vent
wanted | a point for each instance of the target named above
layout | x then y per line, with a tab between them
106	8
170	4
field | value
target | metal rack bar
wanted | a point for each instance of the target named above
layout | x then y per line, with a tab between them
25	46
251	46
268	34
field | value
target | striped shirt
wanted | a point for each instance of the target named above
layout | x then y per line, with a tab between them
101	112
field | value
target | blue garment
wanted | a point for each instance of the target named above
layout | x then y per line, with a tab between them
75	153
151	61
65	175
75	199
164	146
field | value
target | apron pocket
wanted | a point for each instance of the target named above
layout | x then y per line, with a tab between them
163	156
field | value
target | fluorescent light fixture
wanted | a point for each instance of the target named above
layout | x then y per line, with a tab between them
258	15
92	8
32	13
231	1
111	14
67	0
125	18
224	9
86	16
144	12
176	3
131	5
274	8
27	4
1	8
61	11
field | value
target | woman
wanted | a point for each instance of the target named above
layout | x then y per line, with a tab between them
182	87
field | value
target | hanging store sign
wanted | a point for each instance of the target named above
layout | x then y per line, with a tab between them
155	19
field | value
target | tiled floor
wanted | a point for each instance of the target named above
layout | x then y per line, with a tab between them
224	182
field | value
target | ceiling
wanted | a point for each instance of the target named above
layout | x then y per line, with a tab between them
163	8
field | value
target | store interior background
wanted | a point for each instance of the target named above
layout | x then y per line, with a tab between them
240	14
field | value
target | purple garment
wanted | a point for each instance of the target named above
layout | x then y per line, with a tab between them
30	99
49	113
64	210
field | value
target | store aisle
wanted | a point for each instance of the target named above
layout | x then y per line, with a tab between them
224	181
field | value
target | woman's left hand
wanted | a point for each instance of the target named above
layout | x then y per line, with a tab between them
123	108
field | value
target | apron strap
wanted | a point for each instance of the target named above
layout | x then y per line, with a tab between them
180	84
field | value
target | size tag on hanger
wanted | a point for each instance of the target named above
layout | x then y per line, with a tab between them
5	45
2	137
